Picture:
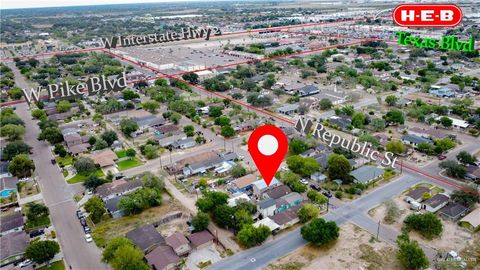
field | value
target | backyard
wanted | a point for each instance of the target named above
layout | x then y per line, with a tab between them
78	178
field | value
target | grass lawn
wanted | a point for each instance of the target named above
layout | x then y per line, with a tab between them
58	265
41	222
67	160
128	163
121	153
78	178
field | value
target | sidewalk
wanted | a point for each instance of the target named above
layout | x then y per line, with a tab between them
30	199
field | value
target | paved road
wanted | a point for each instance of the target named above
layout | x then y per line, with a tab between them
58	196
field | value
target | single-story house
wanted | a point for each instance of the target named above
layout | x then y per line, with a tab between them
435	203
202	165
274	227
184	143
414	139
104	158
442	92
162	258
287	218
430	133
72	139
308	90
117	188
259	187
473	220
78	148
288	109
11	223
277	192
111	205
472	172
146	237
13	247
288	201
457	123
453	211
416	194
367	174
201	239
243	183
340	122
167	141
167	130
267	207
149	121
179	243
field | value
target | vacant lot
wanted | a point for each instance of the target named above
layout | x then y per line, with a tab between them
355	249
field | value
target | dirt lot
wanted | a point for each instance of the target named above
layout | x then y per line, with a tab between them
355	249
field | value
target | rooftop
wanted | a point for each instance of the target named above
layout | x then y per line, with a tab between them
145	237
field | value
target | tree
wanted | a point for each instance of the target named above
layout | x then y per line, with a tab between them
112	246
15	93
210	200
468	199
140	200
12	132
307	212
214	111
14	148
109	136
224	216
464	157
446	121
427	224
128	257
42	251
21	166
238	171
297	146
39	114
64	106
175	117
161	82
338	167
395	117
152	181
51	134
129	95
96	207
150	151
292	180
319	232
227	131
250	236
191	77
358	119
130	152
200	221
302	166
37	211
151	105
411	254
242	218
93	181
325	104
100	144
128	126
378	124
316	197
189	130
453	168
391	100
395	146
222	121
85	166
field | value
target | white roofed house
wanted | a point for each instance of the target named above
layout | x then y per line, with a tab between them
457	123
260	186
288	109
435	203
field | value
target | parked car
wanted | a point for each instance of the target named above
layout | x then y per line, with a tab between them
327	194
315	187
80	214
88	238
25	263
87	229
83	221
53	161
304	181
36	233
442	157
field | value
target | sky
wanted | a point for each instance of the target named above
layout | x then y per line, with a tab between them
9	4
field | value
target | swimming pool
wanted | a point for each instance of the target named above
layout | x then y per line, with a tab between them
6	192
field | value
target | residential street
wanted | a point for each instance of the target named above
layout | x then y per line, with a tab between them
58	196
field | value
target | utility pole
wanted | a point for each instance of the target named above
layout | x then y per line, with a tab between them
378	229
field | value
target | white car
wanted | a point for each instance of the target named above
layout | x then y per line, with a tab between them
25	263
88	238
304	181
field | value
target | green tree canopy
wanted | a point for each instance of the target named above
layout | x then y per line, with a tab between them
21	166
338	167
200	221
96	207
320	232
308	212
427	224
42	251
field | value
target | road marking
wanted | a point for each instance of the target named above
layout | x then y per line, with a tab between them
253	260
61	202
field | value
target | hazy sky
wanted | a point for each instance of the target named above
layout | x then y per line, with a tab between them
6	4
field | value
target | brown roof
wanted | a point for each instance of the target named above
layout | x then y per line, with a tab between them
245	180
117	187
145	237
278	192
418	192
436	200
72	137
104	158
79	148
167	128
161	257
176	240
11	222
13	244
200	238
195	159
287	215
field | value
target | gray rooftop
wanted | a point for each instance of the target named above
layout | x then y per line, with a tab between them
366	173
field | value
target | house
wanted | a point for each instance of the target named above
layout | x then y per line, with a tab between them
456	123
243	183
117	188
162	258
442	92
165	142
11	223
8	185
72	139
166	130
111	205
367	174
201	163
184	143
259	187
104	158
274	227
453	211
308	90
414	140
430	133
179	243
287	218
13	247
288	109
340	122
472	220
267	207
277	192
238	198
288	201
149	121
472	172
318	177
78	149
435	203
146	237
416	195
200	240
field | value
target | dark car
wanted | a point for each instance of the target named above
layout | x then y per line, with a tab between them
328	194
83	221
442	157
36	233
86	229
53	161
315	187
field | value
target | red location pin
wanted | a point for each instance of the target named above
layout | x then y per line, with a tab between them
268	146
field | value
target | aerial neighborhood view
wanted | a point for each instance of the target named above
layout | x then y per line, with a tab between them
291	134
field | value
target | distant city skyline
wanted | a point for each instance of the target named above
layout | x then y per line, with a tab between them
13	4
